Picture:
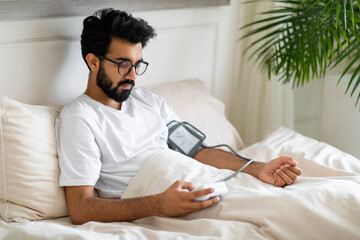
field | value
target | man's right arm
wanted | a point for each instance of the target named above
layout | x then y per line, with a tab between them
83	206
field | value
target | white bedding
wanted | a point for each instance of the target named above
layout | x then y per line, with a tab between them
324	203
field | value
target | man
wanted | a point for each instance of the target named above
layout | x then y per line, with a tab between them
106	134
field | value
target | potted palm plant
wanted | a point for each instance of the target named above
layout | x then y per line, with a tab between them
299	40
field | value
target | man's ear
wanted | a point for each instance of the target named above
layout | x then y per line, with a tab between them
93	61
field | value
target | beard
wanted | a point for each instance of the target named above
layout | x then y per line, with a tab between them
104	82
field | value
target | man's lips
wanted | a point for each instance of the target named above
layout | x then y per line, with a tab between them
126	86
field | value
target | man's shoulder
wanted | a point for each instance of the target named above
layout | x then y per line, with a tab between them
141	92
79	107
144	94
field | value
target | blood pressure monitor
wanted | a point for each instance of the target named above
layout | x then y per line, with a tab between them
188	140
185	138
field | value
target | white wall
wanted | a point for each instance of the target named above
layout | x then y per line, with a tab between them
308	104
324	112
340	122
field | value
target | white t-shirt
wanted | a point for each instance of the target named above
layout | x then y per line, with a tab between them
104	147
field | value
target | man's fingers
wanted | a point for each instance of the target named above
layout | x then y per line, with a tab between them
183	185
198	205
180	203
202	192
287	179
192	194
207	203
290	174
287	173
295	170
288	160
279	182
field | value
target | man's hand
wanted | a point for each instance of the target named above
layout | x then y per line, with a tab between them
278	172
177	202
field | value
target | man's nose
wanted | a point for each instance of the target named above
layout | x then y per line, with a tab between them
132	75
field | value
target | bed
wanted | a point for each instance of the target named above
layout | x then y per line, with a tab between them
324	203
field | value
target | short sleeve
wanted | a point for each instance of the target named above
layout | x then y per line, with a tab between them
167	112
79	154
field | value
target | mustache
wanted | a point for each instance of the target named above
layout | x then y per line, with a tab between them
126	81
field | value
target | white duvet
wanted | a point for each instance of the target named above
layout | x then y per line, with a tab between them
324	203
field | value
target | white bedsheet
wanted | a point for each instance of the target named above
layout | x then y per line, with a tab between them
324	203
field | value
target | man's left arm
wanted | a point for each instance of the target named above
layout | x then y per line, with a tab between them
279	172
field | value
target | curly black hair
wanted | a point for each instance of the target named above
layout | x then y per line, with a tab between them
105	24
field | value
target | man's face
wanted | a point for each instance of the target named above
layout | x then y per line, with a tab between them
114	85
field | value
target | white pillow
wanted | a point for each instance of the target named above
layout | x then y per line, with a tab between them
195	104
29	170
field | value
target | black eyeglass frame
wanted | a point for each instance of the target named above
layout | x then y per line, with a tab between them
126	60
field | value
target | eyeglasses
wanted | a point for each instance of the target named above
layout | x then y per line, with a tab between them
125	67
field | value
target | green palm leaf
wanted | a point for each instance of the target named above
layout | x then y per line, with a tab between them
299	40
